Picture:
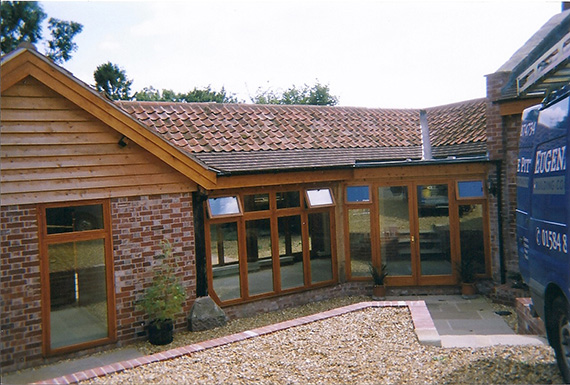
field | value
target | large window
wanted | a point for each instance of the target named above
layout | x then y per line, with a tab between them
419	229
282	241
77	276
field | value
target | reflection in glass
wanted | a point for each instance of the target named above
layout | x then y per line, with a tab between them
223	206
256	202
321	197
74	218
290	252
357	194
433	217
78	292
259	260
471	235
395	230
320	247
360	244
288	199
225	260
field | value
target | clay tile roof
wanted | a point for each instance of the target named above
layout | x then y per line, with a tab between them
262	137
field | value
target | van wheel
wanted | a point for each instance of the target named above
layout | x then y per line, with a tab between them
561	336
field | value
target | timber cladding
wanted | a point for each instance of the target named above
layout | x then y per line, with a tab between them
54	151
138	224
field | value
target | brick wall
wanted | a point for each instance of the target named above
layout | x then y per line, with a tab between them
138	225
502	143
20	287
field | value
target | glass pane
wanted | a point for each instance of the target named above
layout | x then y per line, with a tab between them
288	199
395	230
225	260
320	247
357	194
470	189
433	214
290	252
259	258
74	218
471	235
223	206
321	197
256	202
360	244
78	292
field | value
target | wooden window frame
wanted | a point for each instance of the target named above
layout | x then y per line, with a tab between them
310	205
238	201
346	201
459	198
45	240
273	214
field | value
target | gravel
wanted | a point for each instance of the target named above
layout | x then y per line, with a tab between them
371	346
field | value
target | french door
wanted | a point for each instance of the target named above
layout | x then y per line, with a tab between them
415	233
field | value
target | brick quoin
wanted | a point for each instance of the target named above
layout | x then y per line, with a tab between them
138	224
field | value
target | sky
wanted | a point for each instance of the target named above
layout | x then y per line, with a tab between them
376	54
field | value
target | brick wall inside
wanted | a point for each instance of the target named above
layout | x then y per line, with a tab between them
138	225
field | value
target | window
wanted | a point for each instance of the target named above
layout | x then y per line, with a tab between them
357	194
470	189
224	206
320	197
276	245
76	243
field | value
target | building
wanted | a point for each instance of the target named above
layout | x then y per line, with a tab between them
265	206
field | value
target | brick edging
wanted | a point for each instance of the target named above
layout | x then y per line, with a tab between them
421	318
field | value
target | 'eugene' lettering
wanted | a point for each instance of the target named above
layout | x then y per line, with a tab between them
550	161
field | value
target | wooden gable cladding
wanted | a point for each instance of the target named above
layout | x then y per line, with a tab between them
52	150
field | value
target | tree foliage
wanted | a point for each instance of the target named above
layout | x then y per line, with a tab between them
112	80
196	95
22	22
318	95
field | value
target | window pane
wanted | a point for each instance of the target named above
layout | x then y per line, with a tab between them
433	214
290	252
320	247
223	206
225	260
471	235
288	199
259	257
359	238
321	197
78	292
395	230
357	194
470	189
74	218
256	202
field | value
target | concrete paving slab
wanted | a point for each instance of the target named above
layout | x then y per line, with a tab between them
29	376
479	341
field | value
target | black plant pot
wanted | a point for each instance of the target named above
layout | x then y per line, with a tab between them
160	332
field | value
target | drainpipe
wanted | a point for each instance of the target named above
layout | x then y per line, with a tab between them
426	144
500	223
198	199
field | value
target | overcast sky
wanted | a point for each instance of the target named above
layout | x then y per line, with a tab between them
399	54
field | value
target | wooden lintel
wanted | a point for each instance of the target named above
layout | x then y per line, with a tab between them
282	178
516	107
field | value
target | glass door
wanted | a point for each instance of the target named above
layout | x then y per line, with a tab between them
396	237
434	238
415	234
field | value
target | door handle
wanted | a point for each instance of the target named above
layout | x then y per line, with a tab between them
413	239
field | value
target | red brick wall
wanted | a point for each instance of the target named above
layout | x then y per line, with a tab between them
21	287
138	225
502	143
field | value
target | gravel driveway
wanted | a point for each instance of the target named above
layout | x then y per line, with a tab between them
371	346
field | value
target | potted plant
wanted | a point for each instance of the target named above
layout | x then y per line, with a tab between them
164	298
466	271
378	276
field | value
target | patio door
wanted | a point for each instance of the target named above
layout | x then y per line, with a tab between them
415	239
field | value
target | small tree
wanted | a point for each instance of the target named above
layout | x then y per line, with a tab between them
112	80
318	95
22	22
164	298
